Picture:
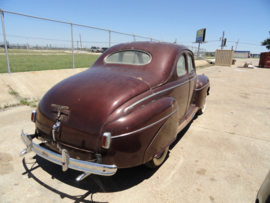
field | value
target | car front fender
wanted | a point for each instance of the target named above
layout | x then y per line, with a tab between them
202	89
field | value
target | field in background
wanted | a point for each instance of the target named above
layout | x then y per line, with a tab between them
35	60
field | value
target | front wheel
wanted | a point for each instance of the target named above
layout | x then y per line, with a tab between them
157	161
201	110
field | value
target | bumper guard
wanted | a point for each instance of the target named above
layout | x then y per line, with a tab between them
65	161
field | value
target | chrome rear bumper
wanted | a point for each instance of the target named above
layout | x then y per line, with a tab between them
65	161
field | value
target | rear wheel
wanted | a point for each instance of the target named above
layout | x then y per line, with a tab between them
157	161
201	110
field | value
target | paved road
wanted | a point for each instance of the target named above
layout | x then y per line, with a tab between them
222	156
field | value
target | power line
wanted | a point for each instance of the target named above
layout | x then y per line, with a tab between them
213	40
245	43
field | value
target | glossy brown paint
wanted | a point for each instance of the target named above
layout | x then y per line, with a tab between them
135	143
202	90
90	102
98	101
163	138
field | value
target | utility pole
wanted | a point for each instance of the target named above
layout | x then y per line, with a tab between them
161	38
77	44
236	45
81	41
134	37
109	37
222	40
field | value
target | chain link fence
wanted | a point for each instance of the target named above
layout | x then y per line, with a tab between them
33	43
202	52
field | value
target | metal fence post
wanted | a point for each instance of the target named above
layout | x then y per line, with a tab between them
4	35
72	42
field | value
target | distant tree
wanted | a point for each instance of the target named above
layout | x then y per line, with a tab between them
266	43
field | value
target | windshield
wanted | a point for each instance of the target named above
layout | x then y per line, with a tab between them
129	57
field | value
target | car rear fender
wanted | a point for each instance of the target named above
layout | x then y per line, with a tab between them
132	134
163	138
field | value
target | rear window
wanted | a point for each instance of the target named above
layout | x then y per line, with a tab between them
129	57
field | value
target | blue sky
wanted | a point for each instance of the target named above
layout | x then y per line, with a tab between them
246	20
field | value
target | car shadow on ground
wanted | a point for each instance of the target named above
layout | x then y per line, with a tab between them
122	180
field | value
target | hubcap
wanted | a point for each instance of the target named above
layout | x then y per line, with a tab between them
160	155
203	107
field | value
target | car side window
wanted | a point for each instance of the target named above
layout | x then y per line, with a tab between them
181	66
190	64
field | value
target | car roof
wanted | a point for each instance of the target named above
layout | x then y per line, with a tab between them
155	73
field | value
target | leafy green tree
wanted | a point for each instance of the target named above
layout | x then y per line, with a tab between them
266	43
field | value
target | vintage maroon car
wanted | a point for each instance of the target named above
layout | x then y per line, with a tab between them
124	111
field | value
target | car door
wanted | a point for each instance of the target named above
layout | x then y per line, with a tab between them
192	82
182	89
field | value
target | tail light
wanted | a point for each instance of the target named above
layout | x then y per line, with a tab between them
33	116
106	140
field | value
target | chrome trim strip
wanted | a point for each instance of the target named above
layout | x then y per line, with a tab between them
193	78
202	87
131	106
66	162
117	136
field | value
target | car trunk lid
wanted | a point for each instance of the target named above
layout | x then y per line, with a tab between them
91	96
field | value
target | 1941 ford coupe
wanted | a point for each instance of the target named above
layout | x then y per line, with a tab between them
124	111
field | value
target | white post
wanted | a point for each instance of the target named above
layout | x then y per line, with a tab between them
72	42
236	45
198	50
5	41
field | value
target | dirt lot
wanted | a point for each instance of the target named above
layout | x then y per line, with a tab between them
222	156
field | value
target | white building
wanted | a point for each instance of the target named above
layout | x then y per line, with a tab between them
241	54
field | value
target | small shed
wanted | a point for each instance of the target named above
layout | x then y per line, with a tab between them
223	57
241	54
